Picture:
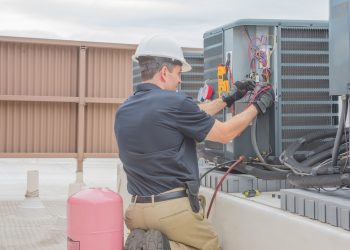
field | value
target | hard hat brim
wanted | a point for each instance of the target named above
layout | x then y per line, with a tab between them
185	66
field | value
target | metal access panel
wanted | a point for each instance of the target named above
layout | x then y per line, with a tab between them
300	75
213	56
242	144
339	46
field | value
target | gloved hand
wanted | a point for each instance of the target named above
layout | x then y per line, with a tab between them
238	91
264	100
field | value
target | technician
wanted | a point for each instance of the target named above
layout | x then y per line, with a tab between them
157	129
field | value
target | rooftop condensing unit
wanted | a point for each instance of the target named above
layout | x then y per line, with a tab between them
296	64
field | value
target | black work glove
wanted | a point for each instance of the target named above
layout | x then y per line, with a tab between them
238	91
264	100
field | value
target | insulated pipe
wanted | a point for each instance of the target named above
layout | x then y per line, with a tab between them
340	130
254	142
321	156
260	173
319	149
345	178
287	157
315	181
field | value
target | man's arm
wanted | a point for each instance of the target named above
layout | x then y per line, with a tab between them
238	90
224	132
213	107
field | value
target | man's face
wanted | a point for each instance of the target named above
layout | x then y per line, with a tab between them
173	79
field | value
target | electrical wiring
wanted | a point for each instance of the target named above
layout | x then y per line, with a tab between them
256	95
241	158
254	142
260	52
218	166
272	166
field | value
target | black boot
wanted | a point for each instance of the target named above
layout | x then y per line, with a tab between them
155	240
135	240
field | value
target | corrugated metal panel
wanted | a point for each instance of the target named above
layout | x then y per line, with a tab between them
41	41
38	70
59	98
37	127
99	132
109	73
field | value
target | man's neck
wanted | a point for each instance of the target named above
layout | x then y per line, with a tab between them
155	82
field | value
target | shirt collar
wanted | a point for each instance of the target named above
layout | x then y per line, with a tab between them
146	87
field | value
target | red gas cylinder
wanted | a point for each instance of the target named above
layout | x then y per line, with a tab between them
95	220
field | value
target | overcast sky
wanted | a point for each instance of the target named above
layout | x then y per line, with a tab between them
128	21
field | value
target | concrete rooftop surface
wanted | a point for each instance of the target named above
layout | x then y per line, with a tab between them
40	223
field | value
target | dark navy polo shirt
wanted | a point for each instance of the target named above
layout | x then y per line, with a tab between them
156	132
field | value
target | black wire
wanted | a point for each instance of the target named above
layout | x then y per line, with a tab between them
327	190
342	168
218	166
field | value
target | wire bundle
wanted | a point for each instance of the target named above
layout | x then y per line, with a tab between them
259	51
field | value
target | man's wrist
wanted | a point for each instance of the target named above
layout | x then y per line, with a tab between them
223	100
256	107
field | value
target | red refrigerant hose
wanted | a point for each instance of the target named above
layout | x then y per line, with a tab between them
240	159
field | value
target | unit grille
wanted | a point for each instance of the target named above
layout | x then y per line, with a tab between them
307	45
304	33
213	56
305	96
308	108
193	80
306	83
302	121
305	104
305	71
290	58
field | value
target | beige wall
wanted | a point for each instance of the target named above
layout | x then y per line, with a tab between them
58	98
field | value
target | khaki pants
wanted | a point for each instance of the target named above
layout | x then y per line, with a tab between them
175	218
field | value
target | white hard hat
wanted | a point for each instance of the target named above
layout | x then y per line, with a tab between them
161	46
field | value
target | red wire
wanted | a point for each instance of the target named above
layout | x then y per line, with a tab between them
241	158
229	70
232	83
256	94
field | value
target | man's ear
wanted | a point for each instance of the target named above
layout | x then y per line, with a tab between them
163	73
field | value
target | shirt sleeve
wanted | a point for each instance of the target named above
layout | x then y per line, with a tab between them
193	122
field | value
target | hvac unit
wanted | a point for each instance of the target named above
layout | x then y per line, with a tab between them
293	57
192	80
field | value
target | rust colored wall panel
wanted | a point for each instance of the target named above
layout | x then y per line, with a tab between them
37	127
99	133
38	70
46	86
109	73
59	98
